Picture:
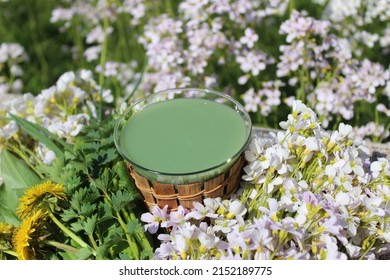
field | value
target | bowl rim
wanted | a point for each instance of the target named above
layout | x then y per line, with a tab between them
239	106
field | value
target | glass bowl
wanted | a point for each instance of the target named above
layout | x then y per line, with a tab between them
188	176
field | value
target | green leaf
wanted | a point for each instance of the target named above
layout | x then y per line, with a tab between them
84	254
69	214
76	227
126	254
134	227
147	254
89	146
87	208
120	199
105	156
7	215
17	177
54	170
71	182
89	224
104	181
126	182
108	141
16	174
42	135
67	256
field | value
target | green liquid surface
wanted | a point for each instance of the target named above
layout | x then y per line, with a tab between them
183	136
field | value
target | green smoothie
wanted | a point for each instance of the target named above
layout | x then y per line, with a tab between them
183	135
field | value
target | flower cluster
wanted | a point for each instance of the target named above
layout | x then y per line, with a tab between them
312	194
327	70
11	56
211	231
320	187
195	49
62	109
23	240
266	52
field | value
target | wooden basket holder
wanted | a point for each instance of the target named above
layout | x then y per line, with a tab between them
161	194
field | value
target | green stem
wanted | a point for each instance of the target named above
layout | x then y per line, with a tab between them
310	170
130	240
62	246
366	251
11	253
301	90
122	39
36	42
93	242
29	152
78	41
376	138
103	58
291	7
380	140
118	90
140	237
17	151
170	9
337	122
68	232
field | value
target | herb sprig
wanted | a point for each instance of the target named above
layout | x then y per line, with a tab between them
102	200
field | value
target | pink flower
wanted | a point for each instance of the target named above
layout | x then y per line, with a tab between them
154	218
250	37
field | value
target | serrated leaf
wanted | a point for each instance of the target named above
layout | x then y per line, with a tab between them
146	254
120	199
75	202
105	157
69	214
72	182
76	227
87	208
134	227
89	224
101	252
104	181
106	219
108	141
77	199
105	211
92	135
91	146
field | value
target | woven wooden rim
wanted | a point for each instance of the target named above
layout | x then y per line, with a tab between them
161	194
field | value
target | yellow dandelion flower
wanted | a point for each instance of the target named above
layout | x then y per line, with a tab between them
27	234
34	196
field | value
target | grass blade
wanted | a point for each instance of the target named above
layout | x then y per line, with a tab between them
42	135
17	177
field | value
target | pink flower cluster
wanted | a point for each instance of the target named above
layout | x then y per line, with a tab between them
311	194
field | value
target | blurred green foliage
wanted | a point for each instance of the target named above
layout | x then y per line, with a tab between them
28	23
